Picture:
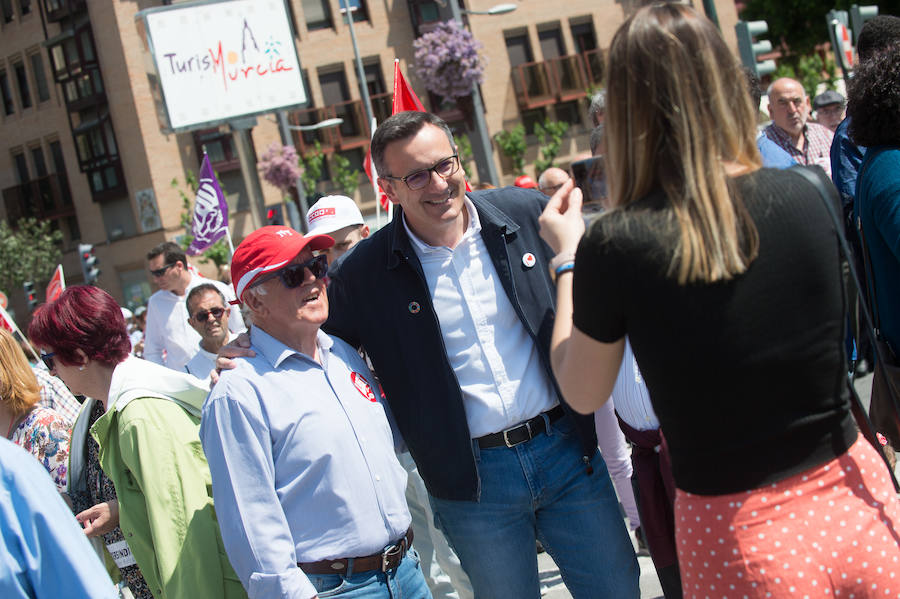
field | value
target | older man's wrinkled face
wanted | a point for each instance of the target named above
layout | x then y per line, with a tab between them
304	305
789	106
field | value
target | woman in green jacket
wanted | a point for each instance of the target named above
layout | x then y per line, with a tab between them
149	445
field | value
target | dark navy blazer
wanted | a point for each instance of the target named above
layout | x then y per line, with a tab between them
379	300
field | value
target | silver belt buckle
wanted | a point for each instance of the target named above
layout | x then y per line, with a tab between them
388	554
527	425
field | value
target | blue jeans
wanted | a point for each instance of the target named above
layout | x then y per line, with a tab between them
540	489
405	582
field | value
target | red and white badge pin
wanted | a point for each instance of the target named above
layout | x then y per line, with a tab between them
529	260
363	386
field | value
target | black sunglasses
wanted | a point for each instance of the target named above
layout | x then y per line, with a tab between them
203	315
293	275
162	270
47	359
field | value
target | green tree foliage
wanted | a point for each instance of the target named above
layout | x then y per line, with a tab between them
808	71
29	252
549	134
312	169
512	145
464	150
345	178
800	24
218	253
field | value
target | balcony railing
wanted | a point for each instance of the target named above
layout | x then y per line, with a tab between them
352	133
557	80
57	10
44	198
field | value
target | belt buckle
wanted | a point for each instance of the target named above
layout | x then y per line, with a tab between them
388	553
526	424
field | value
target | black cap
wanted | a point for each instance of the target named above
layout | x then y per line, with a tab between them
826	98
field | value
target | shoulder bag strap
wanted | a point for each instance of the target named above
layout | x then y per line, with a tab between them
859	411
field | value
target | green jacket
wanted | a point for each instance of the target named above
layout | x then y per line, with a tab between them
150	449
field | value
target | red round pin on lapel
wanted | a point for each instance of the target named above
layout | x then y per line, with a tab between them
529	260
362	385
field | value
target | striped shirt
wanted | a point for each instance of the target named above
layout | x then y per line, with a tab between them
816	144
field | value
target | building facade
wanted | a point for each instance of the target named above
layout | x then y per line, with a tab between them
81	143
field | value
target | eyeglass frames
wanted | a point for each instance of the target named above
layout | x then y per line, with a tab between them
293	275
419	179
203	315
161	270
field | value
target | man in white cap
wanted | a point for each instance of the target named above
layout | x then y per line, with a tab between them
308	490
339	218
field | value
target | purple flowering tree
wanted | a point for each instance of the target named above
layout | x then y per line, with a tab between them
279	167
447	60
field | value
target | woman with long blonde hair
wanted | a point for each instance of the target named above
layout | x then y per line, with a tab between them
726	277
39	430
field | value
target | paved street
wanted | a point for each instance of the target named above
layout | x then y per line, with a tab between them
552	586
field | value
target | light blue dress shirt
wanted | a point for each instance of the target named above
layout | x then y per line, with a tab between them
43	551
302	461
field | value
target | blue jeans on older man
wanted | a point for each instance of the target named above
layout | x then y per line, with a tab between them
541	489
404	582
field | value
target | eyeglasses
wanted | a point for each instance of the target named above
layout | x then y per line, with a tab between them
419	179
47	359
161	271
293	275
203	315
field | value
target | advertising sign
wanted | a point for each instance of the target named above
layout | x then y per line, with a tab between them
221	60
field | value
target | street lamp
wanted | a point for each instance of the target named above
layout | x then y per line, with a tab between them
484	140
298	221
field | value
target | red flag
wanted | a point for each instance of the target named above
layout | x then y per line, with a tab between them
56	285
6	321
404	96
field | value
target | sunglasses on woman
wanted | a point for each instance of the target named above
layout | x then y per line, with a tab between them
47	359
293	275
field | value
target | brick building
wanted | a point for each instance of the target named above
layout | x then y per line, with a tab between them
81	143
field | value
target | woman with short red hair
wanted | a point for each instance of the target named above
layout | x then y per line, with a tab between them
149	444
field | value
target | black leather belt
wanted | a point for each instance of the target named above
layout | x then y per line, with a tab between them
385	561
521	433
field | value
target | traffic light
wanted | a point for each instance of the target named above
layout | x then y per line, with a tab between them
750	50
841	42
28	286
274	215
859	15
89	263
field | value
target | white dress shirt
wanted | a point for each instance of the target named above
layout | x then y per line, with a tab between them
168	329
630	394
496	362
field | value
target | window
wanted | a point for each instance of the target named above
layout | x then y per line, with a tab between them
6	93
59	165
22	175
219	148
568	112
40	77
40	165
317	14
24	6
532	117
6	8
551	43
584	37
357	9
518	49
22	83
382	101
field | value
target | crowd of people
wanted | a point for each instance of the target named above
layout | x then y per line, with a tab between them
418	410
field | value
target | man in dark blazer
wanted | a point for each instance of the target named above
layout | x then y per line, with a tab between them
454	304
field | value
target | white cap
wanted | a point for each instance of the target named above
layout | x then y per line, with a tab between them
332	213
126	314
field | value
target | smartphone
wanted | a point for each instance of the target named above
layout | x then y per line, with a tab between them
590	177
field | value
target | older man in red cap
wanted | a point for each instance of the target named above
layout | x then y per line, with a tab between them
309	493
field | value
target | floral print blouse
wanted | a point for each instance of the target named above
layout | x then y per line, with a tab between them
45	435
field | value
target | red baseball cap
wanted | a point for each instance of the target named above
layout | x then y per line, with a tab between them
526	182
267	249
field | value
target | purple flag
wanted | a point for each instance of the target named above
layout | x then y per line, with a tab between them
210	211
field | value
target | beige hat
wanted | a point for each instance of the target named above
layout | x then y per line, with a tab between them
332	213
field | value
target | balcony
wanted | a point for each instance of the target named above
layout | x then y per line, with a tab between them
57	10
556	80
352	133
45	198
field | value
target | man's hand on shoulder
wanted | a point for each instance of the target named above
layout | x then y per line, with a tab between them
239	348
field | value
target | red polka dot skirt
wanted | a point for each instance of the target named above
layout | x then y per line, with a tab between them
832	531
